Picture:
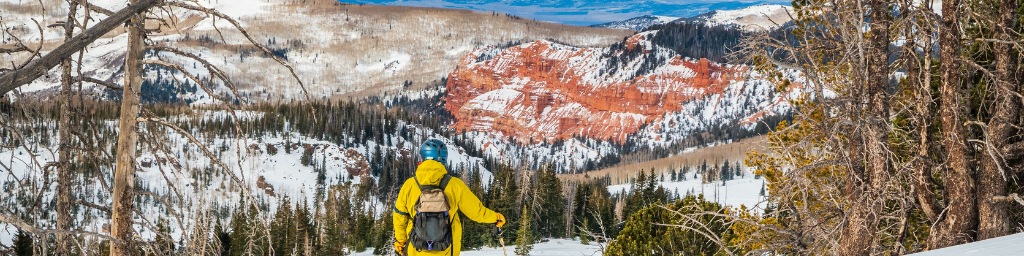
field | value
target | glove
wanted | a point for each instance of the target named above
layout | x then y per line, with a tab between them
501	220
400	247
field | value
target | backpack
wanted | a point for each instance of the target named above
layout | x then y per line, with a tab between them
432	227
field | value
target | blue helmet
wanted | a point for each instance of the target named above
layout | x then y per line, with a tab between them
434	149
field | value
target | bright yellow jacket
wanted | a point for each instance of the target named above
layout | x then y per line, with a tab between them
460	198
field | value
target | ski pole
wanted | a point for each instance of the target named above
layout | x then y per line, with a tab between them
497	232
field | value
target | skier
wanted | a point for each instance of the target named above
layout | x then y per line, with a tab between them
426	210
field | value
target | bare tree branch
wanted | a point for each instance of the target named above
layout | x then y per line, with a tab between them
110	85
24	75
94	8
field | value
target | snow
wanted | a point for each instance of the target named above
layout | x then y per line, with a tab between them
231	8
249	159
638	23
999	246
552	247
392	64
752	18
744	190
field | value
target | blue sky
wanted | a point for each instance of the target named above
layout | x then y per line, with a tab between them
582	12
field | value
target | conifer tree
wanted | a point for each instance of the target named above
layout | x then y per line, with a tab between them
240	231
281	229
524	237
223	240
474	234
726	171
23	244
552	204
642	235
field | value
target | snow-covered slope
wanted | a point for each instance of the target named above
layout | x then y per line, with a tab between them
637	23
337	49
272	166
745	190
541	92
758	17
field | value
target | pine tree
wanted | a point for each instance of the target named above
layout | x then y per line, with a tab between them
241	230
474	234
281	229
223	240
642	235
23	244
726	171
552	204
524	237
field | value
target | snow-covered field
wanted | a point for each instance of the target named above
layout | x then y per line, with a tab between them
745	190
553	247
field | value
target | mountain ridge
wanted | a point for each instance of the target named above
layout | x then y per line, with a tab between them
755	17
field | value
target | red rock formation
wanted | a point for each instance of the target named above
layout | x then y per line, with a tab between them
544	90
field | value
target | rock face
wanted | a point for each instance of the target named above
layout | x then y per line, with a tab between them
545	90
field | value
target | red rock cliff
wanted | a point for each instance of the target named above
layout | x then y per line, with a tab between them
544	90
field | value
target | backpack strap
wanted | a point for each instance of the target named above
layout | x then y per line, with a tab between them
444	181
442	185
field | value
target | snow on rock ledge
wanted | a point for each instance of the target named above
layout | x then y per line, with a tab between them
545	90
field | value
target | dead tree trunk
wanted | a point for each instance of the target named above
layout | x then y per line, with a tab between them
920	80
859	231
62	246
961	215
993	218
124	172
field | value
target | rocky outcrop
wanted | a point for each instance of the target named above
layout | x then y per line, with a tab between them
545	90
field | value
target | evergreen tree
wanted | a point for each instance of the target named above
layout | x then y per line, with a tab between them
642	235
552	205
524	237
335	220
223	237
474	234
23	244
503	195
726	171
241	230
281	229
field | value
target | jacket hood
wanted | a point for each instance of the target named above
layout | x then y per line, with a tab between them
430	172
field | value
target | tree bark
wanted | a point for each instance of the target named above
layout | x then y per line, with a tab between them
993	218
124	172
62	246
14	79
859	231
920	80
961	215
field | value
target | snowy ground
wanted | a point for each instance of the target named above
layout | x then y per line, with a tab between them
1007	245
744	190
270	176
552	247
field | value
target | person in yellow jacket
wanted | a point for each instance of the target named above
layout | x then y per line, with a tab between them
460	198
